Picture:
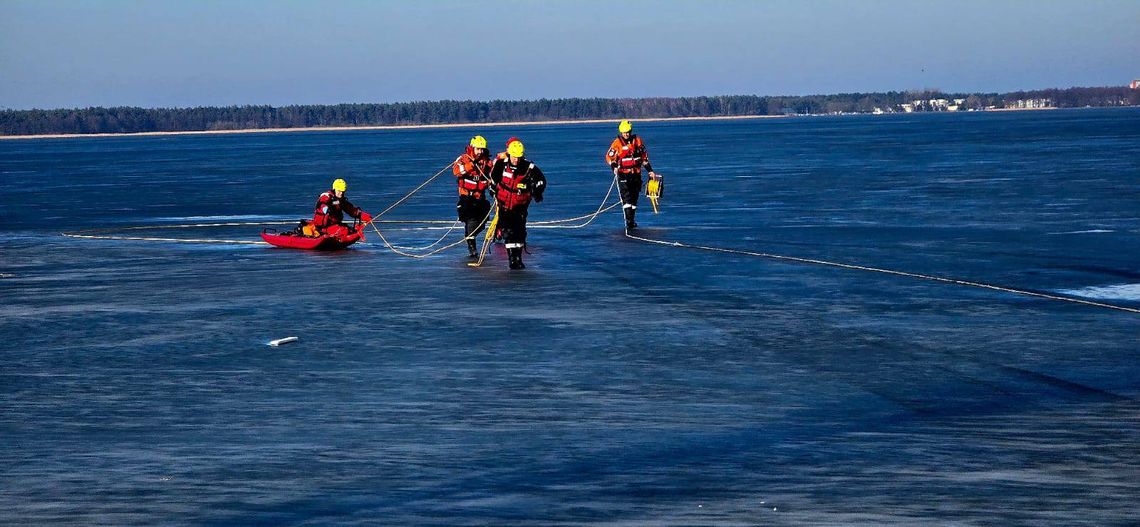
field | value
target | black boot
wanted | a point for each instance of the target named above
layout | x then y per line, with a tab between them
471	248
516	258
629	223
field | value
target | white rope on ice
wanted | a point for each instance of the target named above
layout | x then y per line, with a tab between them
865	268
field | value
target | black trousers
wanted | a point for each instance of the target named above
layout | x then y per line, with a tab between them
473	213
629	185
513	224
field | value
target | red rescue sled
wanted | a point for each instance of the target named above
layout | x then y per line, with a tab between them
295	240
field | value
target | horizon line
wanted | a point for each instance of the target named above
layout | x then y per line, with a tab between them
417	101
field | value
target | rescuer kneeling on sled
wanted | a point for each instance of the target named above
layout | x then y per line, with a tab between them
626	156
471	171
516	181
328	218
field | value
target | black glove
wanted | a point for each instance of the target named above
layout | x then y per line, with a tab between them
538	198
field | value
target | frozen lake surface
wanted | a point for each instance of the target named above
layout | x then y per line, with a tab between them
613	381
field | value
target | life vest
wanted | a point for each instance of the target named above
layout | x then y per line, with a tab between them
514	188
330	210
470	173
628	156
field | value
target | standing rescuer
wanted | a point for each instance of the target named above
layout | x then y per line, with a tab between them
626	156
516	181
471	170
498	235
332	205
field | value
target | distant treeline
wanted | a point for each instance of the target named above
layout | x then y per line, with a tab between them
129	119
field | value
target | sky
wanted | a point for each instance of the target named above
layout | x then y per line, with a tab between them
179	53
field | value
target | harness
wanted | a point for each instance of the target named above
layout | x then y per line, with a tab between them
632	156
514	188
471	182
332	208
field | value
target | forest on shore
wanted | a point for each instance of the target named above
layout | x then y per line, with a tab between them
210	118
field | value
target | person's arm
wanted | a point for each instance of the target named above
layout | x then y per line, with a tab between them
321	212
612	155
457	167
484	167
538	182
496	175
354	211
645	159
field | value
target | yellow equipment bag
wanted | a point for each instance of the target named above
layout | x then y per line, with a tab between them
653	191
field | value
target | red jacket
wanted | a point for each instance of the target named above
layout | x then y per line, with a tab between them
628	156
330	210
517	183
471	173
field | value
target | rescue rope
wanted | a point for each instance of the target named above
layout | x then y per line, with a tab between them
413	192
401	250
107	233
100	234
549	224
870	269
153	239
429	246
555	224
886	271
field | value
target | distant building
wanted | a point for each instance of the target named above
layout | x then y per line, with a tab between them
1023	104
929	105
1135	84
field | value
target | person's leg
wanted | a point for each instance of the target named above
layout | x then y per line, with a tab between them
463	211
480	210
630	187
514	234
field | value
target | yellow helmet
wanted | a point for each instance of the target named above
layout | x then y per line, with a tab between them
624	127
340	185
478	142
515	149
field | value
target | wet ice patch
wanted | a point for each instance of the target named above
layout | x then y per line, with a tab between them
1115	292
1090	231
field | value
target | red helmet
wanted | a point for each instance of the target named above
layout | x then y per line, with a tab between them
511	140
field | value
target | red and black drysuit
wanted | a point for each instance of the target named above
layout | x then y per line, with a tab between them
471	173
628	157
328	218
515	185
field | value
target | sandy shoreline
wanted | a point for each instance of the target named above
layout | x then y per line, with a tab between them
383	127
